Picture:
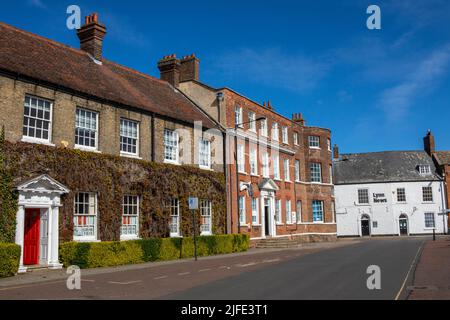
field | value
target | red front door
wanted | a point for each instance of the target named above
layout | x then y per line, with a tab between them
31	238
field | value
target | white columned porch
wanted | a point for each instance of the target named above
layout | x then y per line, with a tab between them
53	256
20	227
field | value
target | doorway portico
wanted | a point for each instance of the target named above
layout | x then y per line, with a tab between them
268	188
37	222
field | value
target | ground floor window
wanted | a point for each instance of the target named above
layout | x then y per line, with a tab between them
429	220
278	211
317	207
206	217
255	211
85	216
242	210
130	216
174	207
288	212
298	212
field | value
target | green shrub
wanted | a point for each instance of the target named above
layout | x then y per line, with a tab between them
108	254
9	259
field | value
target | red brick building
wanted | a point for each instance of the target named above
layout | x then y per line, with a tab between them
284	167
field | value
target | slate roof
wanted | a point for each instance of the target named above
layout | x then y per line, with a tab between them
442	157
389	166
29	55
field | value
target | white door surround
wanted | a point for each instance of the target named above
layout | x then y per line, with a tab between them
268	189
42	193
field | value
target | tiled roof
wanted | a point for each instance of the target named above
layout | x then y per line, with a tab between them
391	166
443	157
39	58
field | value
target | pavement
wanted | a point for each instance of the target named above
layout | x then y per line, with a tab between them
431	279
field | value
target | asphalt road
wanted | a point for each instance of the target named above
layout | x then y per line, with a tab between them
330	271
336	274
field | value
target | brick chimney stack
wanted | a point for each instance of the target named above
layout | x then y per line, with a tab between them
298	118
91	36
335	152
429	144
169	68
190	68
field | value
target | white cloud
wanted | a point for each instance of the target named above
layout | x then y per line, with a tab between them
273	67
397	100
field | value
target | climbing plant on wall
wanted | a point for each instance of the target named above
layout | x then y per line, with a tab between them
8	199
112	177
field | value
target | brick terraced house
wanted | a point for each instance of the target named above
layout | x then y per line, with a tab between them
283	186
55	98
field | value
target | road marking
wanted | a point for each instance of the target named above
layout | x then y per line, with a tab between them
86	280
246	265
159	278
125	283
204	270
272	260
409	271
184	273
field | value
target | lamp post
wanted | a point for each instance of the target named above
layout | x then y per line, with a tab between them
236	126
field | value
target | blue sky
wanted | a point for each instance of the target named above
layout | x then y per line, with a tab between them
375	89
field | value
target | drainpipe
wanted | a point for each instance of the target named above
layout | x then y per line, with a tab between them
153	138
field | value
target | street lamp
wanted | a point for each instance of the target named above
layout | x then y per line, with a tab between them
236	126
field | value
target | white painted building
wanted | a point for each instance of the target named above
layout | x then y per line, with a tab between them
388	193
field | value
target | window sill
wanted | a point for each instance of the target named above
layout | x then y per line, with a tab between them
129	155
277	179
129	238
86	149
176	236
426	202
288	181
37	141
257	225
243	173
279	224
206	234
362	204
254	175
85	240
318	222
206	168
315	148
316	183
176	163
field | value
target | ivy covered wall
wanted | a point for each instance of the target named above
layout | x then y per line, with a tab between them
112	177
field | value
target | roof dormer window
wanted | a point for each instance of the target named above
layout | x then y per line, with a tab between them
424	169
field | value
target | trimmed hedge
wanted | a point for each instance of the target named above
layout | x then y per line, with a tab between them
108	254
9	259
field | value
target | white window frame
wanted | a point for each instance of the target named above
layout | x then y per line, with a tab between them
126	153
287	170
296	138
275	131
129	236
423	194
285	135
84	147
238	117
425	220
314	175
314	142
298	211
288	213
206	214
276	166
241	158
175	217
297	171
31	139
255	212
253	160
360	196
278	211
424	169
403	194
264	129
252	121
331	174
91	214
329	144
265	165
174	149
321	211
207	153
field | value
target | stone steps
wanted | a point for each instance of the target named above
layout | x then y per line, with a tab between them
277	243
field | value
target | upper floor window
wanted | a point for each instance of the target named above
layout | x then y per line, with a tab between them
297	170
329	144
130	217
206	217
129	137
424	169
316	172
331	174
264	127
252	121
401	195
253	161
85	216
86	128
317	207
287	176
314	142
363	196
171	146
265	165
205	154
296	138
275	131
238	117
241	158
285	135
37	121
276	166
427	194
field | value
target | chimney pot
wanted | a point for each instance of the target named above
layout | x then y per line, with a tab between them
169	68
91	36
429	143
336	152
